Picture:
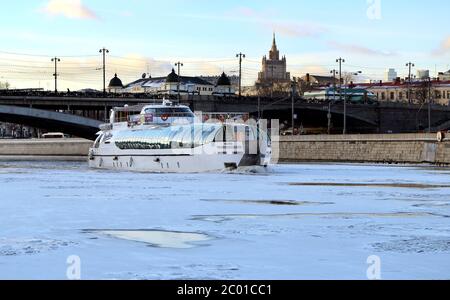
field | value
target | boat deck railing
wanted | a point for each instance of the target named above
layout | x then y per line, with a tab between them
150	118
223	117
131	120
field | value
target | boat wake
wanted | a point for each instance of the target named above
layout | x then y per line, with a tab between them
249	170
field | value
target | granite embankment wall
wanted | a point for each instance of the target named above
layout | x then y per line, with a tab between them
40	148
392	148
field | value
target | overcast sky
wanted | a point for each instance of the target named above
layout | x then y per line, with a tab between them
149	36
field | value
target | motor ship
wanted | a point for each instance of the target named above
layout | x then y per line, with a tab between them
170	138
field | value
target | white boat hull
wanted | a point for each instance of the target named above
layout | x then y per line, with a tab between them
167	139
208	158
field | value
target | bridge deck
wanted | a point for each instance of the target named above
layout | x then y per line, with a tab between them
381	117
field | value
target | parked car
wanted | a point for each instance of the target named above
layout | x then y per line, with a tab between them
54	135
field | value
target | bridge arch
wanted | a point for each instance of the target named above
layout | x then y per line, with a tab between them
338	110
50	120
317	117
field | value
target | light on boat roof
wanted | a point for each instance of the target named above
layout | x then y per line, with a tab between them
167	102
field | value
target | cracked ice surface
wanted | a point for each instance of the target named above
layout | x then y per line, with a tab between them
310	221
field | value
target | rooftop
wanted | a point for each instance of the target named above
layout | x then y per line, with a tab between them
399	84
115	82
148	82
223	80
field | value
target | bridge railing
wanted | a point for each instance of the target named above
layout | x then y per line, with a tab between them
193	98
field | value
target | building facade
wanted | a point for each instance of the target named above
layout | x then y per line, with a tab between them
318	80
444	76
420	91
115	85
172	84
9	130
274	69
423	74
234	80
224	87
390	75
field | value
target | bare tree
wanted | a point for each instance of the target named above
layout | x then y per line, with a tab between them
347	77
421	92
281	89
4	85
303	87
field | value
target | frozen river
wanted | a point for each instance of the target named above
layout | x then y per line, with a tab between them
311	221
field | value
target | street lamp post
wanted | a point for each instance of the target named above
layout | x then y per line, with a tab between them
334	72
341	61
56	60
356	74
410	65
240	56
429	104
293	84
104	51
179	65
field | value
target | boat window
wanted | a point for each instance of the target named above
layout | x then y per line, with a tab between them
179	111
106	138
97	141
182	136
149	111
198	137
186	137
177	139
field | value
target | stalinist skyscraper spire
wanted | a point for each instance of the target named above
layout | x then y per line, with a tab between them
273	68
274	53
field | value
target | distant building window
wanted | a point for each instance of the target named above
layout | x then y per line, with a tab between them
400	96
392	96
383	96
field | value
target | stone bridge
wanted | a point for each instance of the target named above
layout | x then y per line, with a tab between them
382	117
50	120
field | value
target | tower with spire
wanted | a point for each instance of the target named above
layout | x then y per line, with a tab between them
273	68
274	54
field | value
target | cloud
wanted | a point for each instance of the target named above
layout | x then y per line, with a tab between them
284	27
72	9
310	69
77	72
295	29
126	14
443	48
358	49
131	66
